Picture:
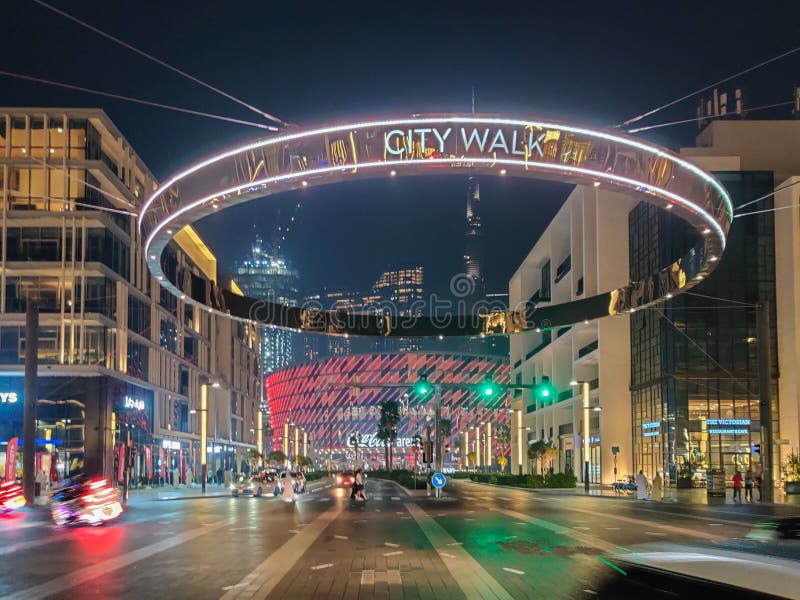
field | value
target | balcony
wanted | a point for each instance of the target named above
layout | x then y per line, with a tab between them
588	348
538	296
531	407
564	268
546	339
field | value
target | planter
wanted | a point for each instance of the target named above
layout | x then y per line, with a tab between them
791	487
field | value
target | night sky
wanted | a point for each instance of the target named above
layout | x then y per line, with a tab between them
596	63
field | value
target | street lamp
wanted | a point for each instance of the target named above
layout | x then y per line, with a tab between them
586	449
204	432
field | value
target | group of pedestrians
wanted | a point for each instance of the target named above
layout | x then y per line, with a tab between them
357	493
646	491
749	481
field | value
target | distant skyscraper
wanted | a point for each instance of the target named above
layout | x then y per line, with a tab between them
266	277
474	242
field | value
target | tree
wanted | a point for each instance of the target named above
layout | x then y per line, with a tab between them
542	451
549	455
303	462
390	419
502	460
471	458
536	451
277	458
383	435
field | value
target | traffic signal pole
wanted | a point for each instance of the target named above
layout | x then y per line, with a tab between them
437	412
30	399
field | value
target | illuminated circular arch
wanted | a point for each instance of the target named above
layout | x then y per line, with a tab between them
418	145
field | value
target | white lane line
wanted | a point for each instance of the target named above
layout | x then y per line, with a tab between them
230	587
56	586
395	497
368	577
262	580
520	523
341	537
32	543
505	498
377	497
360	521
391	545
470	576
441	515
716	524
515	571
405	517
394	553
468	519
294	531
583	528
469	512
612	528
655	533
446	555
325	566
455	544
393	577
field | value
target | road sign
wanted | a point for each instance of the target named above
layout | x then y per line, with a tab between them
615	450
438	481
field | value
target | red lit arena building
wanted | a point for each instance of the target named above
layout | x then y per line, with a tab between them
316	407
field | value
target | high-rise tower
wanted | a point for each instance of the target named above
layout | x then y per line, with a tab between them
473	247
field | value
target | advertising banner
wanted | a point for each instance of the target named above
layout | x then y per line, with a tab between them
162	465
11	459
148	458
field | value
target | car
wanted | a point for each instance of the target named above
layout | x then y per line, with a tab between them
345	479
248	486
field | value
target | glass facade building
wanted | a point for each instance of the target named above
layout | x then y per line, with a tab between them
694	360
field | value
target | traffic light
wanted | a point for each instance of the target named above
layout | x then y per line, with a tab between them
545	390
423	387
489	388
427	452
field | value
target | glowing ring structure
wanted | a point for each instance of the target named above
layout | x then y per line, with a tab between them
451	144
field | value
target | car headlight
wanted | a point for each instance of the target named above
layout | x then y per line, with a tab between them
250	487
233	487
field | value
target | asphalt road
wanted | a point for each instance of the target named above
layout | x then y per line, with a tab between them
478	541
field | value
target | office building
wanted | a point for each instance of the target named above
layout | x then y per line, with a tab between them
581	253
119	357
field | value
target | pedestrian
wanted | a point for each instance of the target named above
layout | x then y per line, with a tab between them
759	482
360	485
219	476
658	487
176	477
748	485
737	486
189	477
641	486
288	488
41	483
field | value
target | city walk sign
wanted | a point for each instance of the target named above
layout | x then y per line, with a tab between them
306	158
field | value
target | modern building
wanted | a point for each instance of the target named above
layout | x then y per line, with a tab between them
677	384
316	407
263	276
398	292
119	357
580	254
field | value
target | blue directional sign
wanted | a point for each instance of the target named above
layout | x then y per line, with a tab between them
438	481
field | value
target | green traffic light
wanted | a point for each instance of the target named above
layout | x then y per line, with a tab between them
422	387
488	390
545	393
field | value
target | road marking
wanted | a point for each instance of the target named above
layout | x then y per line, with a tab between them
405	517
456	544
583	528
368	577
584	538
716	524
325	566
360	521
56	586
391	545
441	515
505	498
393	577
395	497
395	553
514	571
32	543
468	519
469	497
341	537
377	497
266	576
613	528
520	523
469	512
655	533
230	587
294	531
446	555
470	576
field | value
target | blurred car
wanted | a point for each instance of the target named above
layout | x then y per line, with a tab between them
345	479
698	571
248	486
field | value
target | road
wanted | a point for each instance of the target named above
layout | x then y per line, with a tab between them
479	541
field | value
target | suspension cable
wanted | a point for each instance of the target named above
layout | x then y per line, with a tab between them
136	100
708	118
772	193
156	60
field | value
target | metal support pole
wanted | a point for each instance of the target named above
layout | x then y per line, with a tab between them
765	400
437	412
585	386
204	435
31	400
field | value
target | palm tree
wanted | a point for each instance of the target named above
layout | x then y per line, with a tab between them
383	435
303	461
390	418
536	451
503	437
